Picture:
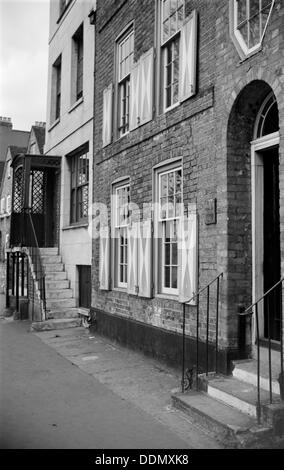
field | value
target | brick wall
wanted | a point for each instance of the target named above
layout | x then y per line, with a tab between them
211	132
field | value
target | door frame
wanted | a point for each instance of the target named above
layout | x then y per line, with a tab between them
257	146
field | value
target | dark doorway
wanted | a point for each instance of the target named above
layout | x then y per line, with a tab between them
85	287
271	244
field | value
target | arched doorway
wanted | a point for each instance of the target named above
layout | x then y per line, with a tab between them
266	252
252	205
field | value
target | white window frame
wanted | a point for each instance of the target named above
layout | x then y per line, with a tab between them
160	227
165	44
3	205
9	169
8	204
118	228
123	83
237	37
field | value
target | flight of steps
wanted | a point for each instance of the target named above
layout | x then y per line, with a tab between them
226	406
60	303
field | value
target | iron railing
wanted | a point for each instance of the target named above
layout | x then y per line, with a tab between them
187	374
254	310
34	252
16	277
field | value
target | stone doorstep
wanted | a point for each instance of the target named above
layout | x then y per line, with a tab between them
245	371
55	285
232	427
72	312
56	324
236	393
54	267
57	294
55	276
56	304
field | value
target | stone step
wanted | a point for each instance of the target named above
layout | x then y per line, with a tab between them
51	259
232	427
57	284
56	324
246	371
55	276
59	294
54	268
63	313
58	304
49	251
237	394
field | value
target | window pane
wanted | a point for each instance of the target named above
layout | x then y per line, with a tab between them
174	254
242	11
164	185
173	25
166	30
171	179
121	276
171	207
178	181
174	4
166	9
180	17
167	254
254	32
253	7
167	277
265	3
163	207
174	278
244	31
85	201
175	93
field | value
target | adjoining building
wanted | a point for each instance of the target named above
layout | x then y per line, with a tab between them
52	193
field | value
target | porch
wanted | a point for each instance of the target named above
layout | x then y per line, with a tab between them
34	226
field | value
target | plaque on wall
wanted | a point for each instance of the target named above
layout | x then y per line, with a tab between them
210	211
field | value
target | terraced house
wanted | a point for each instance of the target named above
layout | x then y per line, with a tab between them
51	215
188	149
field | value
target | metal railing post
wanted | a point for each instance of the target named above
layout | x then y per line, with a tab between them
183	346
197	342
8	280
217	326
258	409
17	282
207	331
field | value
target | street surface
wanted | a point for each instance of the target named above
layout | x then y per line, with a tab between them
80	392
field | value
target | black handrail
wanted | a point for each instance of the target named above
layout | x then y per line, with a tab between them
34	250
187	382
254	308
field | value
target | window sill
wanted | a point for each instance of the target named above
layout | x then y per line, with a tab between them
167	297
174	106
120	289
54	124
76	104
73	226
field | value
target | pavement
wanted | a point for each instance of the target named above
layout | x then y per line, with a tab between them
75	389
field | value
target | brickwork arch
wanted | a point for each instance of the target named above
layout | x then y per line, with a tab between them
256	74
243	108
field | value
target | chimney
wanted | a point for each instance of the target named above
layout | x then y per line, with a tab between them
6	121
39	124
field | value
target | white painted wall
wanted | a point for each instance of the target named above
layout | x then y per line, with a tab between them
75	126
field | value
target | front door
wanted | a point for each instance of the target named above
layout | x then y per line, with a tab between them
271	243
266	236
85	286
